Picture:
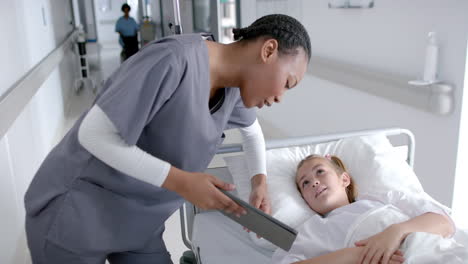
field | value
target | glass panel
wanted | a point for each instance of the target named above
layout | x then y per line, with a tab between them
201	16
228	20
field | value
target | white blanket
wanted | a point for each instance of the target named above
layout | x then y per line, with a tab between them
417	248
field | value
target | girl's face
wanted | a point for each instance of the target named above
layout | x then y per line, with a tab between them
271	75
321	187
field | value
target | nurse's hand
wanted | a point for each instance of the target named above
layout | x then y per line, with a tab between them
201	189
259	193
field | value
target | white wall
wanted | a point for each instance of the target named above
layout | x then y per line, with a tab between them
32	36
12	70
460	213
390	37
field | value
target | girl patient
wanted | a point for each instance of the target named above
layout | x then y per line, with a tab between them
371	229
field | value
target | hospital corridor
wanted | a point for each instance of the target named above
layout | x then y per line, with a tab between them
233	131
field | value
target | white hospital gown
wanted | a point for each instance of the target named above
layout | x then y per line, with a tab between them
321	235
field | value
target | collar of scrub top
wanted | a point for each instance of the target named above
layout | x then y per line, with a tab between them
219	97
208	36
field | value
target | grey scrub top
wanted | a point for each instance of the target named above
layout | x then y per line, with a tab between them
158	100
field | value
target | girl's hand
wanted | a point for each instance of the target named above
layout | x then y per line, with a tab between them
396	258
201	189
347	256
381	247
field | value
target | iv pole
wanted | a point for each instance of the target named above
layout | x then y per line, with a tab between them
177	25
191	209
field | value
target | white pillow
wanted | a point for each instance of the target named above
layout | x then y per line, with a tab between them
372	162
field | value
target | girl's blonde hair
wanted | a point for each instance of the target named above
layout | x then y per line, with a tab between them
339	168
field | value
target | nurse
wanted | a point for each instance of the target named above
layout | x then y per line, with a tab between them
105	191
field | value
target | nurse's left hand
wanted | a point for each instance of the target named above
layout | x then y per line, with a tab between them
259	193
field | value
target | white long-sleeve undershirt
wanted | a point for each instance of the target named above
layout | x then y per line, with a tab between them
98	135
253	144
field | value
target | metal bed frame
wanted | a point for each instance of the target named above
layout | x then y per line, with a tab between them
188	210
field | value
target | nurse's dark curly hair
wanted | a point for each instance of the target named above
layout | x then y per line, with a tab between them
289	33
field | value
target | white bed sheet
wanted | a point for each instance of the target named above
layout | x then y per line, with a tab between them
218	239
461	236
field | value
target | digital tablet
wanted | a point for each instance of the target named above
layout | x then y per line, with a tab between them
263	224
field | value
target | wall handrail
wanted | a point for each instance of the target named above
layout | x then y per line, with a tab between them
436	98
15	99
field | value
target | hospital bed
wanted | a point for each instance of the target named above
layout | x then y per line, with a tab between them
214	238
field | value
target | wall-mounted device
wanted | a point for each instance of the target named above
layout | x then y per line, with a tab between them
350	3
429	75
